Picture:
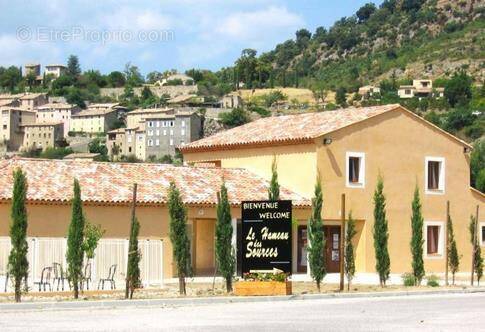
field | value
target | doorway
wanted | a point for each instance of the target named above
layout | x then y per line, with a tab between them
204	236
332	245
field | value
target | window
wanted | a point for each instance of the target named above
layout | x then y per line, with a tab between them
150	142
183	123
171	141
355	169
182	132
171	131
165	132
150	132
158	132
157	142
407	92
158	124
150	124
435	175
434	239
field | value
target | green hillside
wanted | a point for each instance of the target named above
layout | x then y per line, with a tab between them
400	38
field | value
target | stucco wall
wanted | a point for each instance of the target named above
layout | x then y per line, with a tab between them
52	220
296	163
395	146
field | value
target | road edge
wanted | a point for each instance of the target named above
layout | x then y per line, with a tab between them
192	301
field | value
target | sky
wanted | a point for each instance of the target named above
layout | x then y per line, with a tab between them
155	35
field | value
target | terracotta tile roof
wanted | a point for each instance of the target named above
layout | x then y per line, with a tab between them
30	96
94	112
287	129
111	183
150	111
43	124
82	155
51	106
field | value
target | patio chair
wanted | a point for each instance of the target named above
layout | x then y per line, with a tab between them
110	278
86	277
58	275
45	279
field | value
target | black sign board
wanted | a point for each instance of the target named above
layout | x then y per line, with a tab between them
266	236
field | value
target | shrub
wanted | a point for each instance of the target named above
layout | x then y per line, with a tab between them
260	110
476	130
408	279
234	118
280	277
453	26
433	281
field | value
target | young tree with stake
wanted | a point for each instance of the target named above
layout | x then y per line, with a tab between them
75	239
417	240
316	252
381	234
350	232
453	257
134	256
178	236
477	253
18	265
226	260
274	187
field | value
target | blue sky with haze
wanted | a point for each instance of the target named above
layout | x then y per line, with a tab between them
106	34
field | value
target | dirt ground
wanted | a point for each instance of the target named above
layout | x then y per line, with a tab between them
201	290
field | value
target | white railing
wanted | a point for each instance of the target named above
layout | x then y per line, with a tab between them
45	251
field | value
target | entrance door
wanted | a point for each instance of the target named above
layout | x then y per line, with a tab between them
204	247
302	243
332	247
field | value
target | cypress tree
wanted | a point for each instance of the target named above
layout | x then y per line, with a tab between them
18	265
381	234
178	236
477	253
226	261
453	257
75	239
417	240
349	250
274	187
134	257
316	247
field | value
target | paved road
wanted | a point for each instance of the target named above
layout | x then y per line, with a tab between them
460	312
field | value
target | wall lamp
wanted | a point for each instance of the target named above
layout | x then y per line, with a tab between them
327	141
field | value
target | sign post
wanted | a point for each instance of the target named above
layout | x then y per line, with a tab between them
266	237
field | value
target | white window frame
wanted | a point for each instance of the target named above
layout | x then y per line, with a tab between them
171	141
482	240
157	142
441	240
442	176
361	156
